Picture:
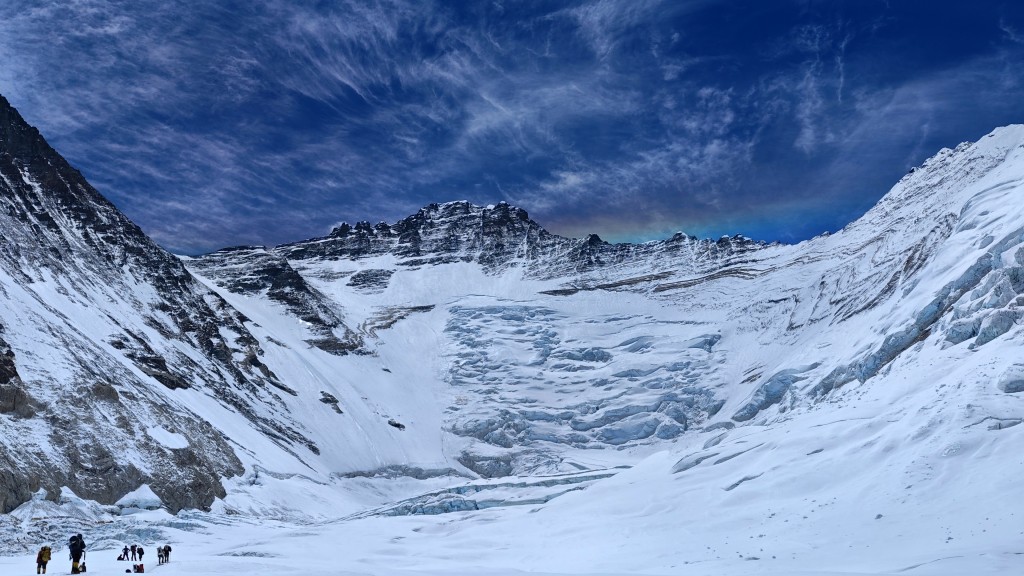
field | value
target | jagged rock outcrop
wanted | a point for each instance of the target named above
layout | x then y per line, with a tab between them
257	271
502	236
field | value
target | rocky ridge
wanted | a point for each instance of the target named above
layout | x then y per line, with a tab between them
497	237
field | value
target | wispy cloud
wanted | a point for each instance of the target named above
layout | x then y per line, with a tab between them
269	121
414	98
1010	31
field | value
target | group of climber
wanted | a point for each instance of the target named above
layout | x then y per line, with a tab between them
163	554
76	550
136	552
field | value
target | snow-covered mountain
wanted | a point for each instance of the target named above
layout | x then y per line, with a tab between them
115	359
465	359
542	348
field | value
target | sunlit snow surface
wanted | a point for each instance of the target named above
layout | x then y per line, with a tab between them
803	514
849	405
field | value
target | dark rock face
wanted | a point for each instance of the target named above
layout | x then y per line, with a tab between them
331	400
8	371
14	399
371	280
255	270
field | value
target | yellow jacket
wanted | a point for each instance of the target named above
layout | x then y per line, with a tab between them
44	554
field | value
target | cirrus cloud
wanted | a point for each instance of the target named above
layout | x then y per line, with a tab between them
268	121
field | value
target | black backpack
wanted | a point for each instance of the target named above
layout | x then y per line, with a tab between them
76	543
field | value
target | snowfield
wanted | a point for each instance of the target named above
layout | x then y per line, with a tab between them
762	504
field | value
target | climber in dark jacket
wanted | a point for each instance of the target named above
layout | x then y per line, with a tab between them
76	545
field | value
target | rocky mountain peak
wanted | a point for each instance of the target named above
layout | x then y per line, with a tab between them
436	233
17	138
501	235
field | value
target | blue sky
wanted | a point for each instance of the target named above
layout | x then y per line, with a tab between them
230	122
